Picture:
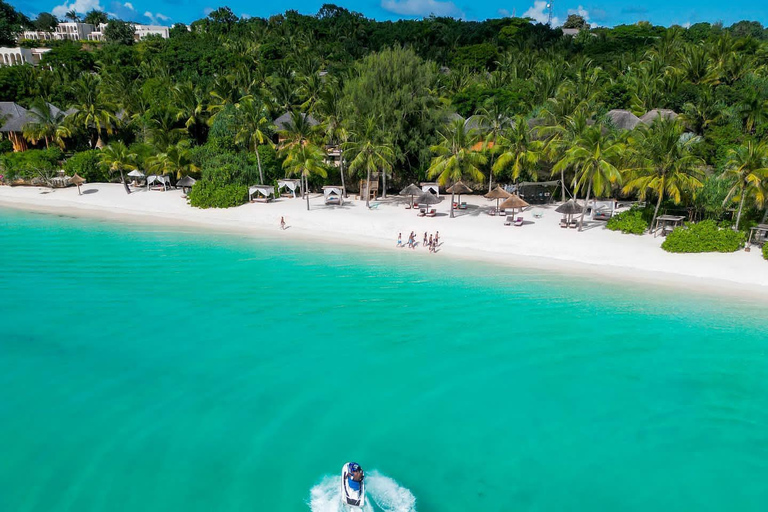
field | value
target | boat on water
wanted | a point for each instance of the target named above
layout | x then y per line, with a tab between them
353	485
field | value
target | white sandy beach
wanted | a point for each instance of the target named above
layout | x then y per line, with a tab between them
540	243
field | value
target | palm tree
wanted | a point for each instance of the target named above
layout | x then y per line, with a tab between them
329	108
664	162
175	160
749	166
519	150
92	112
593	156
189	103
455	158
48	124
492	122
117	157
72	16
303	156
366	152
254	128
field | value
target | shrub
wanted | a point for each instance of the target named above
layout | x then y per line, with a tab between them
207	194
705	236
6	146
88	165
632	221
30	164
765	251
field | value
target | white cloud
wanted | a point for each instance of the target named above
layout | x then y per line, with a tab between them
540	12
156	18
422	8
129	5
81	6
581	12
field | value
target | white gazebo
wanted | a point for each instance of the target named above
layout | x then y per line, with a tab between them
157	181
261	193
431	187
291	185
333	195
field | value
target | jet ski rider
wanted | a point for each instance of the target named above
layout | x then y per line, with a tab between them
356	476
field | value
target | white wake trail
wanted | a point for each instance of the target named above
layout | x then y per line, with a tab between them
384	495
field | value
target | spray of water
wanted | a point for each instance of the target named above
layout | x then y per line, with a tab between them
384	495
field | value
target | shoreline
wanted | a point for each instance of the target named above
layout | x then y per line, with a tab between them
464	238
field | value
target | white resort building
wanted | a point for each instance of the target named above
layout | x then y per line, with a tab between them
19	56
87	32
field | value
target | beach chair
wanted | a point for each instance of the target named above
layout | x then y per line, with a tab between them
509	220
463	206
519	221
431	213
564	223
502	211
573	224
492	212
422	212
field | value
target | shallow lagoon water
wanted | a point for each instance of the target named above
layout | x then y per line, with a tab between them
152	369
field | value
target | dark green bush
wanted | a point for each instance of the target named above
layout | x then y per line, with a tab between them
26	165
6	146
704	236
632	221
88	165
765	251
206	194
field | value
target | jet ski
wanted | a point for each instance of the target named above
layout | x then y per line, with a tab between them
352	492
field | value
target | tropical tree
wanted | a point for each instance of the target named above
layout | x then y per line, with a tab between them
72	15
190	106
48	124
332	125
118	158
455	157
748	165
174	160
254	128
91	110
367	152
491	122
519	150
593	156
663	162
303	157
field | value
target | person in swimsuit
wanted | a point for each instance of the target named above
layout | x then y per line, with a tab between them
356	476
399	239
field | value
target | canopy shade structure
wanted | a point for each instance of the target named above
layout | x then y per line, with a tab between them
411	190
291	185
261	193
570	207
667	224
431	186
186	182
77	180
498	193
334	195
136	174
165	181
514	202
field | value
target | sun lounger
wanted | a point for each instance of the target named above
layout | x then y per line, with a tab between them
422	212
431	213
510	219
519	221
573	224
564	223
492	212
463	206
502	211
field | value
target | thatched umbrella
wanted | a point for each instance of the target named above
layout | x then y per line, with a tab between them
569	208
458	188
427	198
498	194
514	202
77	181
411	190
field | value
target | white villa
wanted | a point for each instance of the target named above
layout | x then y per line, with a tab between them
87	32
19	56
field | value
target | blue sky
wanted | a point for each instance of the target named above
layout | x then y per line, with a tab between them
599	12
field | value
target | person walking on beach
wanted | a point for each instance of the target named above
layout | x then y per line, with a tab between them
437	238
399	239
282	223
431	244
424	243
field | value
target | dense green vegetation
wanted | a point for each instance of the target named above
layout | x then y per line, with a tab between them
705	236
765	251
632	221
502	100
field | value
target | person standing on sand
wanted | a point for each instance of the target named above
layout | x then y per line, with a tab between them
399	239
424	243
282	223
437	238
431	243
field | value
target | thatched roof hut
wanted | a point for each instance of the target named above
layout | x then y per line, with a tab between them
623	119
458	188
498	193
650	116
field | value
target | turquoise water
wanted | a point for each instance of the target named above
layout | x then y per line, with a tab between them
146	369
